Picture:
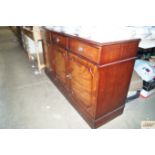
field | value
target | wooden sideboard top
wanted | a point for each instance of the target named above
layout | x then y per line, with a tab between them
91	41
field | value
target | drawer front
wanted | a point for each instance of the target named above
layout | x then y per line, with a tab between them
59	39
88	51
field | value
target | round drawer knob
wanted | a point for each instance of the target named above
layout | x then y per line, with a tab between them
57	40
80	49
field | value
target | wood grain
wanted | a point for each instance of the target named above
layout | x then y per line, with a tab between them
90	52
96	78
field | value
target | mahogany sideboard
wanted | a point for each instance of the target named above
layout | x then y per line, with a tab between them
93	76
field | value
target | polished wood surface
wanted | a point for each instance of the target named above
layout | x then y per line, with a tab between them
118	52
60	64
83	81
59	39
93	77
84	49
114	82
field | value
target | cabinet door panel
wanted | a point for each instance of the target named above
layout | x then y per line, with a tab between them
83	82
60	64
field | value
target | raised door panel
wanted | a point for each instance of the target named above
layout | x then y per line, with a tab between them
83	83
60	63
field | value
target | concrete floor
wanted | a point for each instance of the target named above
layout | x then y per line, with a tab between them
32	101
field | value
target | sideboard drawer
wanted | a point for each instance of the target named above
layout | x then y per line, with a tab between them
86	50
59	39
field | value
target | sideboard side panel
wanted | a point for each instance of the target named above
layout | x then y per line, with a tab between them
113	87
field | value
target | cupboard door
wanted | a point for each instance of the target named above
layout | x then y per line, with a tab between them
83	82
60	63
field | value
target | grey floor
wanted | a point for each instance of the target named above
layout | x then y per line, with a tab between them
32	101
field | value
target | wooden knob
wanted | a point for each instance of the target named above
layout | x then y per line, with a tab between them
57	40
80	49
